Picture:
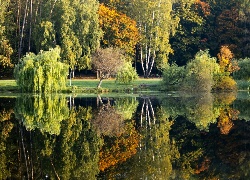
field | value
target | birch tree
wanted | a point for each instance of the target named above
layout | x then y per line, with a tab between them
156	24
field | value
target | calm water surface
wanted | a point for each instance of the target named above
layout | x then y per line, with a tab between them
161	136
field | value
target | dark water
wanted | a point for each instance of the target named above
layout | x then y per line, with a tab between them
161	136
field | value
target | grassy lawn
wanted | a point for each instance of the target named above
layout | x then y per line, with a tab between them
89	85
109	85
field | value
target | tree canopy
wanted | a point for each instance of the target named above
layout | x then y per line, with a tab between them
151	32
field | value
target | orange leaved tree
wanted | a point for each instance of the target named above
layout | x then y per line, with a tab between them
119	30
223	80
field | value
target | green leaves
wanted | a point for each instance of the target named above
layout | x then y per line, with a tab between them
45	36
79	32
244	71
5	48
197	75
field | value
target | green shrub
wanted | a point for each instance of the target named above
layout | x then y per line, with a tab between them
200	73
244	72
126	74
243	84
173	76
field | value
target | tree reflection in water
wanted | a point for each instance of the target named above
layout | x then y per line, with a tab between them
201	137
44	152
44	112
116	125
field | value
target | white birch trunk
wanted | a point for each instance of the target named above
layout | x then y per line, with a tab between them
22	32
30	31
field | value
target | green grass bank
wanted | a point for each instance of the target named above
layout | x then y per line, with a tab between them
109	86
90	86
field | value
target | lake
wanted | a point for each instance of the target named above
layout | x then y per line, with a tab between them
125	136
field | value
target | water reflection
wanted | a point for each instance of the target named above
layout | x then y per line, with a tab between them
44	112
171	137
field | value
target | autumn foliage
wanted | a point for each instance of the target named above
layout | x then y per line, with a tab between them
119	30
226	62
122	148
225	122
204	6
223	80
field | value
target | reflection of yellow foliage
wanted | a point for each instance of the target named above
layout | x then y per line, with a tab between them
225	83
126	107
8	125
6	115
121	149
225	98
204	166
202	112
6	129
225	122
44	112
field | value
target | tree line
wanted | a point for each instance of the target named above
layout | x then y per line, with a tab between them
150	33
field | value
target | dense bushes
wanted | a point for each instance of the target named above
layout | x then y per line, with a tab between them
200	72
173	76
198	75
205	74
244	71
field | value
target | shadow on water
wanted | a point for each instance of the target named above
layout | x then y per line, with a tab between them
165	136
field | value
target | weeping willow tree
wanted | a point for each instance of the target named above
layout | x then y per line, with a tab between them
42	112
42	72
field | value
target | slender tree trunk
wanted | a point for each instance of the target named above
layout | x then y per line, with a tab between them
18	21
142	62
36	11
70	77
99	100
31	159
52	164
22	32
53	5
152	110
30	31
24	152
100	83
142	112
147	111
152	63
147	114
